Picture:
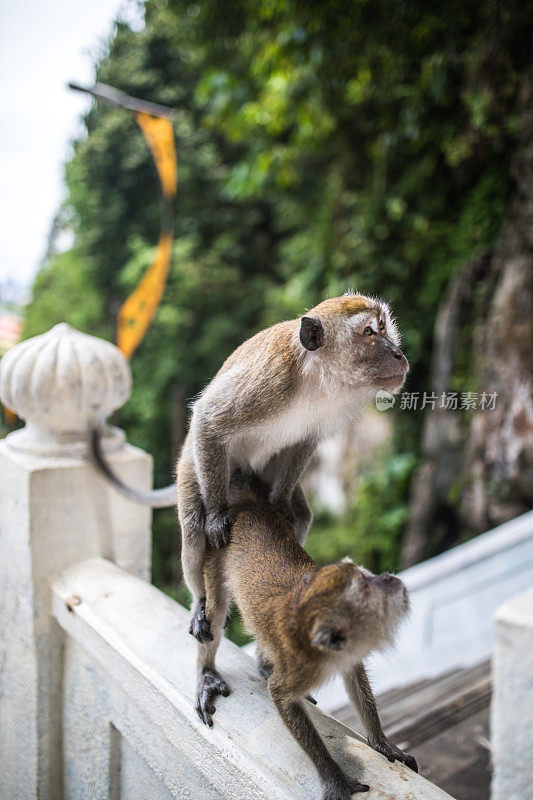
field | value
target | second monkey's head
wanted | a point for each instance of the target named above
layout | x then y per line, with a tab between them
345	608
354	339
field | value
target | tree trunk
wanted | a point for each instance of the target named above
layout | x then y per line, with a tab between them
477	469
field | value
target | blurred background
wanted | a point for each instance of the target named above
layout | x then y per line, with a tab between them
322	146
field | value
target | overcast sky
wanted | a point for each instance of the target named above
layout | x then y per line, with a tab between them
43	45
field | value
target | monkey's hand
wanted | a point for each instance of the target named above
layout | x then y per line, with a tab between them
394	753
218	528
209	685
342	788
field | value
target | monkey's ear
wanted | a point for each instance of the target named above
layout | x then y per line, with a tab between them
311	333
328	637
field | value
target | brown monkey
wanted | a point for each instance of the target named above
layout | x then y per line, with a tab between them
274	398
308	621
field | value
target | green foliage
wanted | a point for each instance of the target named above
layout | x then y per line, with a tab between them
321	145
370	530
63	292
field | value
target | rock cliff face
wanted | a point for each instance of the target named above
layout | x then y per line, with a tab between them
477	469
499	452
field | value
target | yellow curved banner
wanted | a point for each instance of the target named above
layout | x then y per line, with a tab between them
160	137
136	312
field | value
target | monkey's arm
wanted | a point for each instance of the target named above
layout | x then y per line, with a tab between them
212	468
337	785
358	688
287	469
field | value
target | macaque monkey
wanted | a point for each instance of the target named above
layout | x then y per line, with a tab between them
309	622
272	401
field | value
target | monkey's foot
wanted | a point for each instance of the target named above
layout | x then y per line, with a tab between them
200	626
395	754
218	528
342	789
209	685
311	699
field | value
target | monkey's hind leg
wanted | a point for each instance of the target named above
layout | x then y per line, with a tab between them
210	683
193	552
193	544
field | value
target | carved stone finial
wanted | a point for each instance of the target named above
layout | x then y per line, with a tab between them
62	383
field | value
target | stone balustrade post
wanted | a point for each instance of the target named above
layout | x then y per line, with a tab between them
512	700
55	510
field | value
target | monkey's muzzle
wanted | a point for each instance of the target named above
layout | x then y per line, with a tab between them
388	582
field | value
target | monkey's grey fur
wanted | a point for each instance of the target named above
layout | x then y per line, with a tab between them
269	405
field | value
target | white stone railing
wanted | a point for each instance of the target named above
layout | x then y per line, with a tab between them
130	677
55	509
97	671
512	702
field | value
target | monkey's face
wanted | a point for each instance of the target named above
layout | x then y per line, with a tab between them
355	340
352	611
383	596
376	358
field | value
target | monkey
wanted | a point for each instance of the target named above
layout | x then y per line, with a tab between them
272	401
309	622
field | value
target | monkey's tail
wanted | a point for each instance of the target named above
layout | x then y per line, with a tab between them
156	498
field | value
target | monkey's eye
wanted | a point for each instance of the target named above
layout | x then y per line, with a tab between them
368	331
382	325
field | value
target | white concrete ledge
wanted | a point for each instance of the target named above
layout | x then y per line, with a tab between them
130	679
505	537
